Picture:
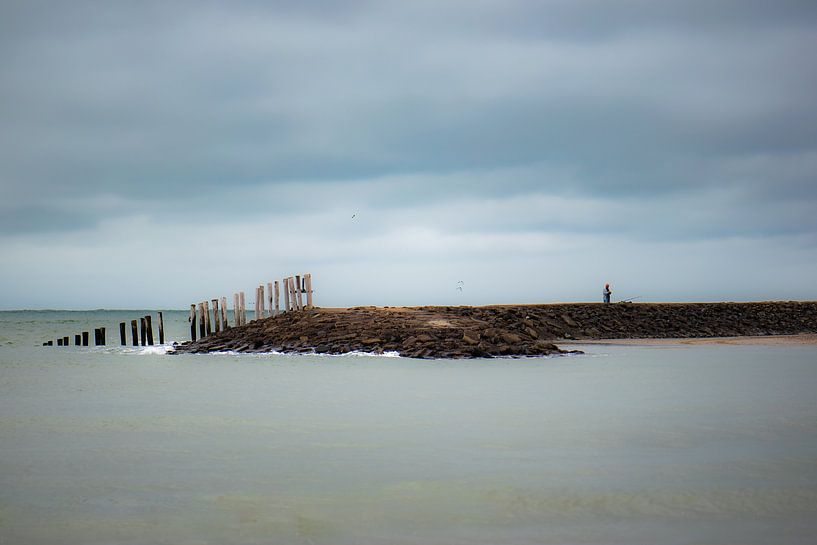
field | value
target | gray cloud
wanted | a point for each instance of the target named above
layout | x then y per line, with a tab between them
672	121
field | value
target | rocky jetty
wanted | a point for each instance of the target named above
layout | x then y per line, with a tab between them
507	330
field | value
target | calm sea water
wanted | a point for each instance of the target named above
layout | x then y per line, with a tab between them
624	445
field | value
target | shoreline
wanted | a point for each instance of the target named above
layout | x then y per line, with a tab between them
800	339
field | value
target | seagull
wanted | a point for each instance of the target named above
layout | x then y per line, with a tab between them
459	288
353	216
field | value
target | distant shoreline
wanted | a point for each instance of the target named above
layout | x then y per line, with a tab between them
514	330
799	339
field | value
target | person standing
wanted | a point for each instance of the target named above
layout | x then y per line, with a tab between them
607	292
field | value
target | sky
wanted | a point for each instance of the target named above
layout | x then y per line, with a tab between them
155	154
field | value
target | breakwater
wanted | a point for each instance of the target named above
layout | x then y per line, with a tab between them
502	330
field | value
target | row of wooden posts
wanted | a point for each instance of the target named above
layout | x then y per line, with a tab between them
146	334
294	289
145	331
81	339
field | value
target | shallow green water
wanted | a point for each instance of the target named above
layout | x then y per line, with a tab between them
624	445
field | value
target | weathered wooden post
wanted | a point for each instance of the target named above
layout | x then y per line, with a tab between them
122	340
299	289
262	299
65	341
202	328
277	299
243	303
59	341
216	316
133	333
269	299
224	314
207	324
236	310
77	340
149	325
286	294
48	343
192	320
103	336
143	331
84	338
161	328
308	282
294	295
96	336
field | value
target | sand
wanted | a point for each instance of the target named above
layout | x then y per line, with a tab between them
759	340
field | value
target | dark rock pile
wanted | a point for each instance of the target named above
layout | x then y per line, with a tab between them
508	330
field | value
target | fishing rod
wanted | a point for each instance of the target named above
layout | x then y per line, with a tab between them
631	299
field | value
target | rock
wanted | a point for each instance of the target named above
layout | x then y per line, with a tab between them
469	340
511	338
569	321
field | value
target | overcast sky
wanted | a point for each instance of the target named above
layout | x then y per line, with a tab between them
153	154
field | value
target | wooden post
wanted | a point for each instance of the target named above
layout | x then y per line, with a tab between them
65	341
202	329
224	314
277	299
207	324
48	343
269	299
192	320
243	303
102	336
59	341
294	295
77	340
286	295
122	340
161	329
308	282
96	336
257	304
236	310
143	331
300	291
262	299
84	338
133	333
149	325
216	316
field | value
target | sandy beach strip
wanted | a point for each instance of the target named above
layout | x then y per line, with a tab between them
760	340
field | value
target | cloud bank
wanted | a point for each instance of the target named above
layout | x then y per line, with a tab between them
153	154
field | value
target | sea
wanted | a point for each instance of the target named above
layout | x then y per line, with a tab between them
621	445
